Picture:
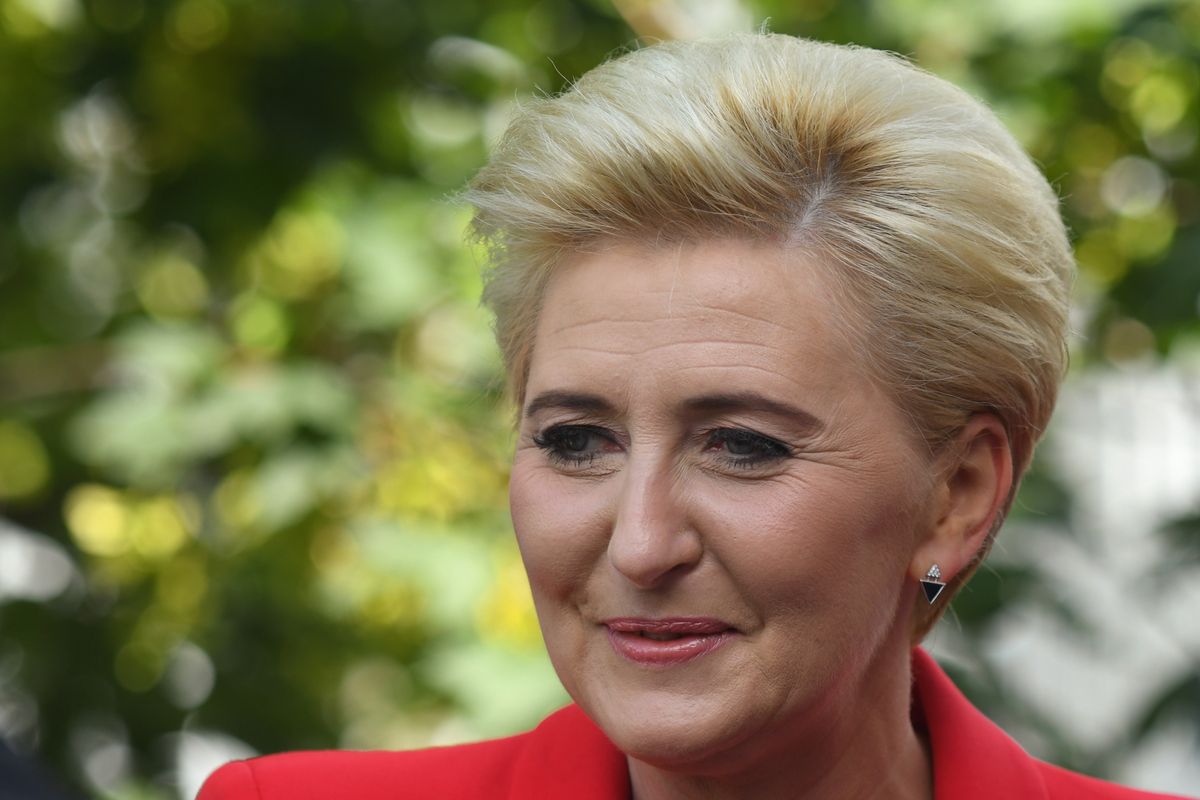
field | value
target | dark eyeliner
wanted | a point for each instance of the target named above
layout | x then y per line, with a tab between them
767	449
553	441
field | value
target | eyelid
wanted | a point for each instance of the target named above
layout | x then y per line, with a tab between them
766	449
590	427
599	429
727	432
770	451
551	441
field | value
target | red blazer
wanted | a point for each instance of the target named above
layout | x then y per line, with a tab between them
568	757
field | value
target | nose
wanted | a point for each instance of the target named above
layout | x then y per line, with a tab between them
652	540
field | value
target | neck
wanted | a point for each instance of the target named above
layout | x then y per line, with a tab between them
859	744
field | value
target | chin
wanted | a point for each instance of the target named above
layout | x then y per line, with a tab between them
672	731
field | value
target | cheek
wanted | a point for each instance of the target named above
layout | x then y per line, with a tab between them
776	544
560	529
799	545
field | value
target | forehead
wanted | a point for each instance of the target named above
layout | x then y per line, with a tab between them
699	313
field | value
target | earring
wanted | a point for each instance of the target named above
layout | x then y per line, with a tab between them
932	583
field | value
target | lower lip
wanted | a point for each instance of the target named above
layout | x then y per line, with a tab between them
665	653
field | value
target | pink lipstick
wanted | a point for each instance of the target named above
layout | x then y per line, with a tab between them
666	642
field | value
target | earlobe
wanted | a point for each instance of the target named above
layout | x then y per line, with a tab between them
973	486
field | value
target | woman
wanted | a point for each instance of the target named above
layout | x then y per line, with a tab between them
784	321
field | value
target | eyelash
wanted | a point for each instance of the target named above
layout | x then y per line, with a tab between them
768	449
553	441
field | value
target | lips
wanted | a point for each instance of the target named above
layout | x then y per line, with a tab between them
667	642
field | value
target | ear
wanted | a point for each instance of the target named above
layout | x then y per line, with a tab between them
974	477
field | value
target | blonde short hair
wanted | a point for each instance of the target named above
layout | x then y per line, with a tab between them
940	230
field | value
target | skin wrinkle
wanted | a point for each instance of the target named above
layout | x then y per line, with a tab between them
699	404
799	555
646	349
619	321
615	351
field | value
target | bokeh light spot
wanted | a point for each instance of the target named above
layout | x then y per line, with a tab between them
196	25
24	465
299	254
34	18
137	666
106	523
101	747
259	323
236	502
1133	186
172	287
1129	62
190	676
32	567
1148	236
1159	103
97	518
1127	339
158	527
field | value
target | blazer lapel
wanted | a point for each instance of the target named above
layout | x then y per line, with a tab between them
569	756
972	758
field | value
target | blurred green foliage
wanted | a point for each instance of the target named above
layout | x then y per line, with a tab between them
244	381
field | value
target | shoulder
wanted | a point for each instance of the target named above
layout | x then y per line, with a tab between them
565	751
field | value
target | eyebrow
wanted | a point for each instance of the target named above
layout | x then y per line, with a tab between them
569	401
724	402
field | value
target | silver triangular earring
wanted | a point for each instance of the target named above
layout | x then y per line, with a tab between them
932	583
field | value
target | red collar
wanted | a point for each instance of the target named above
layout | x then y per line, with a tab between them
568	756
972	757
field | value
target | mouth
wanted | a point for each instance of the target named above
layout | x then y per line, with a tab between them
667	642
660	637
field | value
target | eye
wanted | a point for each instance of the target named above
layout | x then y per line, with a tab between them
742	448
575	445
572	440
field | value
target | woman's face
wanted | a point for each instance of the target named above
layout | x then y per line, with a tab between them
703	459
